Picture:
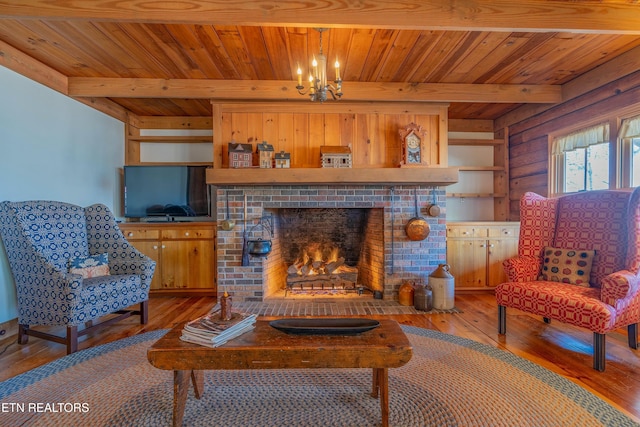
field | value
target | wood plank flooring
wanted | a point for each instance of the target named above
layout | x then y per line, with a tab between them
560	348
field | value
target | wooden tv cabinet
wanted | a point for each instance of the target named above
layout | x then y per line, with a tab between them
184	252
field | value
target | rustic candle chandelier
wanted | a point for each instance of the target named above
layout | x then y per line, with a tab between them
318	88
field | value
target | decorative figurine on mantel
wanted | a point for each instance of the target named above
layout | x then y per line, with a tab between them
335	156
240	155
283	160
413	152
265	155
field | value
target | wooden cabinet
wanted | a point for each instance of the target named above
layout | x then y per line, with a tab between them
475	251
184	253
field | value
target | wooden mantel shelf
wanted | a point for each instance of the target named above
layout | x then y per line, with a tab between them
435	176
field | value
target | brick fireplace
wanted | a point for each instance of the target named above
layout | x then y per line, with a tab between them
371	238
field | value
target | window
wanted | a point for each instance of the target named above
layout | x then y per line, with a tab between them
587	168
635	162
630	149
580	160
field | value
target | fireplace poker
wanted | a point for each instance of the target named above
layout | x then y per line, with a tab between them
245	249
392	223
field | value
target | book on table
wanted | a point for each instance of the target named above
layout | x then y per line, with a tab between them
212	331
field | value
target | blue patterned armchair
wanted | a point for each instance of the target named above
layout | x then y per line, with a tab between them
56	252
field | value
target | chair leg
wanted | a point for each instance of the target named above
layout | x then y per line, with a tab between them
23	334
599	353
144	312
72	339
632	332
502	319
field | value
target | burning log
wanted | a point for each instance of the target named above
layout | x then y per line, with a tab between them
334	265
294	268
305	270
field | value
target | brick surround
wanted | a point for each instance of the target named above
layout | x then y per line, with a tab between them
400	260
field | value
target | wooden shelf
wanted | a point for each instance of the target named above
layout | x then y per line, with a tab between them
481	168
438	176
169	164
476	142
171	138
475	195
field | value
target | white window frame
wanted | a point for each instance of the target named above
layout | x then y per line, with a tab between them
629	129
620	150
582	137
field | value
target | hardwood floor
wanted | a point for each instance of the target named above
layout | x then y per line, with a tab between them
560	348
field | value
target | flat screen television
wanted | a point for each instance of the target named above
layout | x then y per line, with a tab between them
171	192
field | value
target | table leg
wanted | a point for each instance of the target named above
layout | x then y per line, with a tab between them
375	383
197	378
381	386
180	391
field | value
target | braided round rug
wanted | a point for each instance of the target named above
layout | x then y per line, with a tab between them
450	381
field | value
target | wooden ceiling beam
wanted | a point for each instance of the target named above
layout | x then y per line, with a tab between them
285	90
613	16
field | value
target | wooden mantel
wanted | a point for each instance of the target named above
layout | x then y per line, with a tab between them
435	176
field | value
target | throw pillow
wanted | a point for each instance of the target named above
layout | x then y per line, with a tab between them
567	265
90	266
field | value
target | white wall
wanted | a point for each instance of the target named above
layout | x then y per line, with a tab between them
53	148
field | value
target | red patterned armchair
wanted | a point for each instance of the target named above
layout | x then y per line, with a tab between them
579	263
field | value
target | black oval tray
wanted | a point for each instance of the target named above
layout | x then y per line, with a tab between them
325	325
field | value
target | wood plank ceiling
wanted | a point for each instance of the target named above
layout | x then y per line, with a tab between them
153	62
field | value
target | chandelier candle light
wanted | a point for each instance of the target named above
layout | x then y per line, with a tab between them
318	86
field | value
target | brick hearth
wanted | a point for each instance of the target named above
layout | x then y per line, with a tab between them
400	260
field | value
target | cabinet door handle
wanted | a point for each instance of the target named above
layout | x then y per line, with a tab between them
130	234
186	233
483	245
491	245
163	246
155	247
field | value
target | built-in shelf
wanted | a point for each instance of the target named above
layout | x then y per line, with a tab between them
435	176
169	163
177	138
475	195
476	142
484	165
481	168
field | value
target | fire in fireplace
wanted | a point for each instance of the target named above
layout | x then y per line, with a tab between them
320	267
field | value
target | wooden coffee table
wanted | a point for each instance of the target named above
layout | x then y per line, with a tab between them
268	348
